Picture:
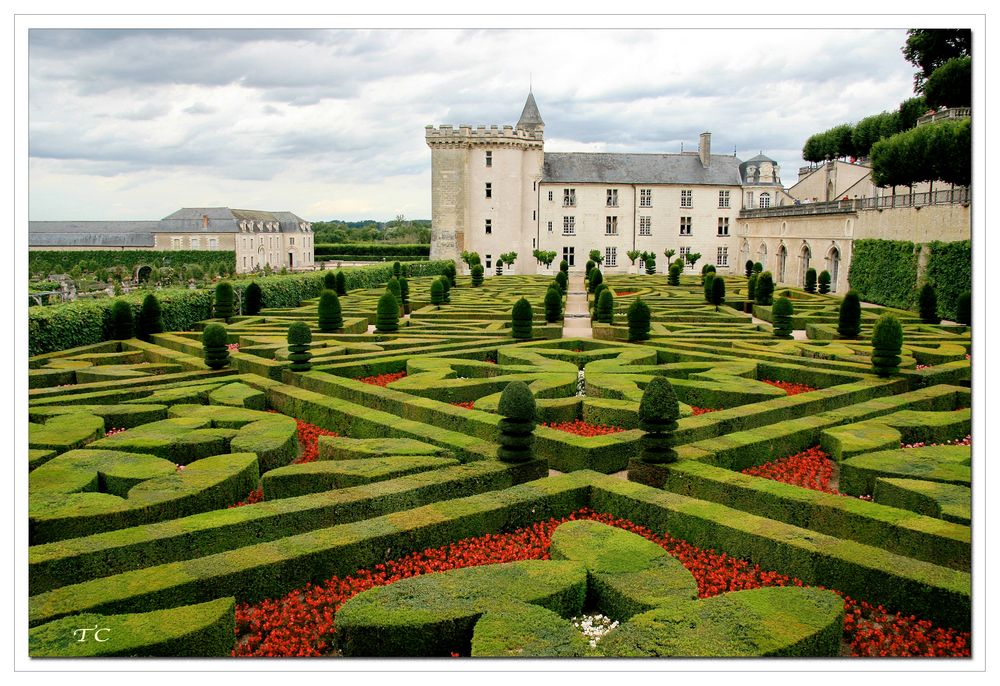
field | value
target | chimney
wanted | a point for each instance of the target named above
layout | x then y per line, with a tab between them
204	221
705	149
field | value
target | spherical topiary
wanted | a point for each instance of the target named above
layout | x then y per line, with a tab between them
330	281
564	267
810	285
450	273
928	305
520	319
562	280
849	320
765	288
963	315
718	291
397	269
596	277
638	320
437	293
254	298
650	265
224	300
404	294
606	307
387	313
887	344
517	407
341	283
150	318
658	414
706	281
299	338
674	275
122	321
824	282
748	268
781	316
477	275
330	315
215	344
758	267
553	304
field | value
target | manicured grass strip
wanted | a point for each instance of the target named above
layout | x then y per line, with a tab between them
108	391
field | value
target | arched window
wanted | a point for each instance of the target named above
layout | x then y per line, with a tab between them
833	266
804	258
765	200
782	256
762	255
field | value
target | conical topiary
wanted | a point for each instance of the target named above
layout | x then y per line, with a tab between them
824	282
963	315
658	414
781	315
404	294
393	287
638	320
122	321
596	277
330	315
330	281
520	319
341	282
718	292
477	275
751	291
849	320
765	288
564	267
299	338
674	275
650	265
517	407
215	344
606	307
706	283
397	269
928	305
437	293
387	313
562	280
224	300
150	318
254	298
589	267
810	285
451	273
445	289
601	287
553	304
887	345
748	268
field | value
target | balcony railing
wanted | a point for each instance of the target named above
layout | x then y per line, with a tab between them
953	113
955	196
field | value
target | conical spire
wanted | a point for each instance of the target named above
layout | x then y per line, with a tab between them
530	118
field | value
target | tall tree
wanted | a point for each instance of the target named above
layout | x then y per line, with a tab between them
928	49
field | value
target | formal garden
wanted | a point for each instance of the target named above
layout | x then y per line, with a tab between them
404	461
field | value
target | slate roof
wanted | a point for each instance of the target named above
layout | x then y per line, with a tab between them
530	116
673	168
224	219
96	234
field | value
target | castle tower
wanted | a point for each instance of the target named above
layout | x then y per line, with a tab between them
484	189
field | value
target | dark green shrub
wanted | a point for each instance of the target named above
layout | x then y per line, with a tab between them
887	344
553	304
393	287
706	283
758	267
705	270
587	269
397	269
477	275
445	289
781	316
341	283
658	414
150	318
885	272
638	316
520	319
437	293
764	292
748	268
964	313
810	285
752	287
387	313
330	315
299	338
824	282
562	280
596	277
330	281
215	343
517	407
601	287
849	321
564	267
404	294
451	273
253	298
928	305
674	275
122	322
651	265
224	300
606	307
950	271
718	291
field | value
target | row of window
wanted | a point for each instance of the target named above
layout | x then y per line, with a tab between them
611	226
645	197
194	243
611	256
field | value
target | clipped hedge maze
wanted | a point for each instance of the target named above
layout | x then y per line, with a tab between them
139	454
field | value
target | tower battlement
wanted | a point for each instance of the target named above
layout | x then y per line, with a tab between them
468	136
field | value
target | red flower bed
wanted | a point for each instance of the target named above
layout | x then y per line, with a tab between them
625	292
301	622
788	387
382	380
256	496
696	411
811	468
309	440
582	428
467	404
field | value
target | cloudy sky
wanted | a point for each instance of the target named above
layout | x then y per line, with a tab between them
129	124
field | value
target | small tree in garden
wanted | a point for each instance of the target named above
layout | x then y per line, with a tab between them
964	309
674	276
669	253
758	267
508	258
810	285
553	304
596	277
397	269
705	269
658	414
765	288
452	275
564	267
150	318
651	264
928	305
887	345
849	320
122	321
589	268
748	268
824	282
606	307
477	275
330	316
601	287
781	316
404	294
215	344
224	300
341	286
499	269
706	281
752	286
718	292
437	293
387	313
692	258
596	256
638	316
299	339
253	299
562	280
517	407
520	319
393	287
446	288
633	255
548	257
330	281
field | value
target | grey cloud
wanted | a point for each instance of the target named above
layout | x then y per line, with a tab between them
199	108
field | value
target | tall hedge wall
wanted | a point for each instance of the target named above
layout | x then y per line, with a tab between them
885	272
61	261
372	249
950	272
83	322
